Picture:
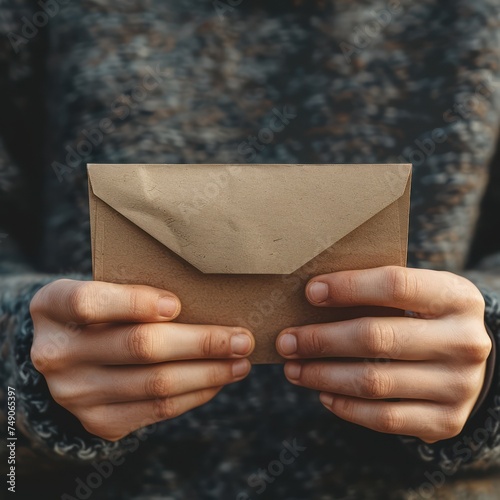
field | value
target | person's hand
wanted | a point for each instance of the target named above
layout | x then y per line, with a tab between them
112	358
435	360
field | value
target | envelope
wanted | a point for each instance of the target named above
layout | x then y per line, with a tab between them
238	243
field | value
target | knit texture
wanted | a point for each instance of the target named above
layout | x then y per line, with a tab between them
196	82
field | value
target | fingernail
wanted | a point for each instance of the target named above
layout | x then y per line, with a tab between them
292	370
167	306
241	343
287	344
326	399
240	367
317	291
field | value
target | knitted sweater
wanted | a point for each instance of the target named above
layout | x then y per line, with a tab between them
370	81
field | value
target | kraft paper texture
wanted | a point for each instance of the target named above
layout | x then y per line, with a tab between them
238	243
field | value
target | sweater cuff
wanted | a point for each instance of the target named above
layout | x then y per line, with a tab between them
45	428
478	444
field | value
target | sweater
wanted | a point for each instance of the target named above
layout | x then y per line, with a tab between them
130	81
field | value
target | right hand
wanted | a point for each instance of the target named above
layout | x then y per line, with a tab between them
112	358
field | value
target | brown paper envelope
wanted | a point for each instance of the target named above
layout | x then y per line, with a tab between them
238	243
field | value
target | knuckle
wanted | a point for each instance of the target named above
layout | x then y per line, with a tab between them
316	342
38	302
113	438
351	287
37	358
314	374
429	439
94	421
348	409
165	408
136	305
374	384
475	300
216	376
403	285
478	349
46	356
64	394
478	302
93	428
214	343
206	343
103	432
44	296
203	396
453	424
466	295
159	384
379	337
140	343
390	420
81	302
463	386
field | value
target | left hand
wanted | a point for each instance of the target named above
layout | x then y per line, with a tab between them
434	362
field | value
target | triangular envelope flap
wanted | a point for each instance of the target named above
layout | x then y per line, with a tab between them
258	219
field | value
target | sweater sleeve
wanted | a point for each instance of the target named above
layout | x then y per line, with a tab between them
478	445
455	209
42	429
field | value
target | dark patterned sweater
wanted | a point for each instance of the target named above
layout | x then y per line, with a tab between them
152	81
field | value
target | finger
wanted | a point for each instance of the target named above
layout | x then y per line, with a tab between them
420	290
115	421
89	302
125	383
425	420
145	343
368	380
393	338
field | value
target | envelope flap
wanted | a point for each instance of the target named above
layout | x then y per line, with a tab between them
265	219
